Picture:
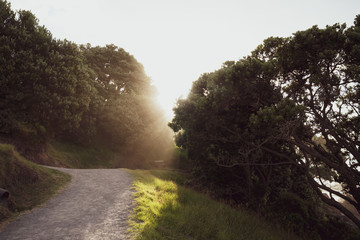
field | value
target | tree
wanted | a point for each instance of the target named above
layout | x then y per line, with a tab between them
319	74
55	89
43	82
305	115
116	71
213	124
126	113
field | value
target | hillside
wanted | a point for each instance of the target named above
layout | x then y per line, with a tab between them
29	184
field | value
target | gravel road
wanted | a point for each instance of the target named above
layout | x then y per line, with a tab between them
94	206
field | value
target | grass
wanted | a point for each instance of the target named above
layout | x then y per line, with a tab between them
166	210
29	184
74	156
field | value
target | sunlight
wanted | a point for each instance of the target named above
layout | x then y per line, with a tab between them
173	79
177	41
167	103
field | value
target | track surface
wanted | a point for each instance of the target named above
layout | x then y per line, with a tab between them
94	206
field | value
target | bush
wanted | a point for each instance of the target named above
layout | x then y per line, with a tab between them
297	214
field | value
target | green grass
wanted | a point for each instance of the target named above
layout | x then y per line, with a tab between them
74	156
28	183
166	210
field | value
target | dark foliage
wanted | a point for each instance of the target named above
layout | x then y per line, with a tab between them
280	123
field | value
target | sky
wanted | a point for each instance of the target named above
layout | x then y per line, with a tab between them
178	40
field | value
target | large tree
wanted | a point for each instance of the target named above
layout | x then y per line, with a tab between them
124	112
304	115
213	124
319	75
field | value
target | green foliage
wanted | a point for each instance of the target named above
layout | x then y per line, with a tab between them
263	114
121	97
55	89
293	212
116	71
230	99
123	110
43	81
318	71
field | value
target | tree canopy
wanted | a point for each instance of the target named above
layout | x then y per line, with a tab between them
290	110
56	89
38	76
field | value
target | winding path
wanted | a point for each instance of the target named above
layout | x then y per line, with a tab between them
94	206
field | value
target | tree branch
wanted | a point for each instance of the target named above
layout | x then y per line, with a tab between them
331	201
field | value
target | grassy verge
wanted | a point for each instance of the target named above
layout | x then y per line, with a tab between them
166	210
74	156
29	184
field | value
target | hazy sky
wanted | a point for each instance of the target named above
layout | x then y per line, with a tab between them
178	40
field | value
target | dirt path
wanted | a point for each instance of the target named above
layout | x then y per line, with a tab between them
94	206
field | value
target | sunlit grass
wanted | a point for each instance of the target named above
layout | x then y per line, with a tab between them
166	210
